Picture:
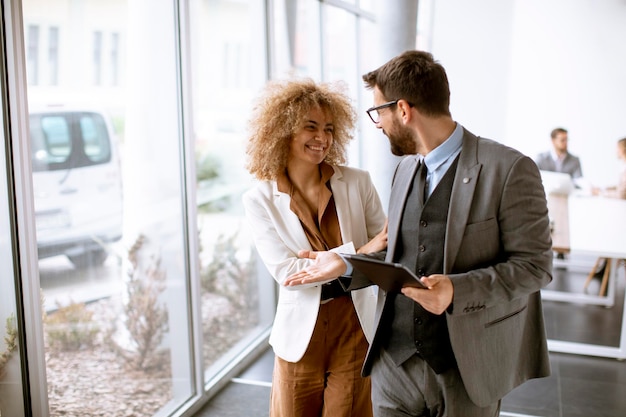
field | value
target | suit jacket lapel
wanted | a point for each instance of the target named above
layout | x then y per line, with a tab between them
465	180
397	200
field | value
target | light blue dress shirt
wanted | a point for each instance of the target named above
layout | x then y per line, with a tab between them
438	161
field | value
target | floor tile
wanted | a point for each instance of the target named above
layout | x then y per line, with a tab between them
238	400
537	397
584	398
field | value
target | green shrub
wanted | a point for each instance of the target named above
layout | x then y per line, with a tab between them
146	319
10	340
226	274
71	327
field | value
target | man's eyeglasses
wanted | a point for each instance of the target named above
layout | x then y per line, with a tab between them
372	112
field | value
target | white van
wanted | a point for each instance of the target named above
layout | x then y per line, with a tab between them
77	183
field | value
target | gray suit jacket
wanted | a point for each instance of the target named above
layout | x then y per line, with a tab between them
498	256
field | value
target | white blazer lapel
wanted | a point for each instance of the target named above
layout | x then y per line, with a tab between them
295	236
342	204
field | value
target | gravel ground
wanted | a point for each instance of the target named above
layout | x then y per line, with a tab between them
96	381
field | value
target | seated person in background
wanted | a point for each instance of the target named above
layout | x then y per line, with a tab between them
619	190
559	159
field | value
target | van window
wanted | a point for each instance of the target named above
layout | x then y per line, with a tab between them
68	140
95	142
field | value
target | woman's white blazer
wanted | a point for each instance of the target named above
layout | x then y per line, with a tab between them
278	236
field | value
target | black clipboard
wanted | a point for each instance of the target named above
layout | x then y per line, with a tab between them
391	277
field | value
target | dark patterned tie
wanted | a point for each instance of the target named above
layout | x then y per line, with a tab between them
421	183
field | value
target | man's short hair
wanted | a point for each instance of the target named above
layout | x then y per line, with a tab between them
416	77
557	131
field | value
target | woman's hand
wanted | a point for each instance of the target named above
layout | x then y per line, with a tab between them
327	266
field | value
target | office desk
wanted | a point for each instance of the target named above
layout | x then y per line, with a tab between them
559	222
595	226
559	210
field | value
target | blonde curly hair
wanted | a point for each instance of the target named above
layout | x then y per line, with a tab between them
279	112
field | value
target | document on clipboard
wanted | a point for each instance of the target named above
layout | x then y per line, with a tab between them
391	277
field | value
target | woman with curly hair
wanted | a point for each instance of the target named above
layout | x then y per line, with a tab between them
307	199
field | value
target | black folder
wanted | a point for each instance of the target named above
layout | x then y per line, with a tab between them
391	277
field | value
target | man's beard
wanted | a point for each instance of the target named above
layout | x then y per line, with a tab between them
401	140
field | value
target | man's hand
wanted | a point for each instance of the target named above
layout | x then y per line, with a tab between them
437	297
378	242
327	266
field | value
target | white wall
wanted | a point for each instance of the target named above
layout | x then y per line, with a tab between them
518	69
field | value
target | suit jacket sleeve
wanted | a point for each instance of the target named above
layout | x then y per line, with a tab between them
505	251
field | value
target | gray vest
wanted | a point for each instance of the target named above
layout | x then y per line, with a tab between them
414	330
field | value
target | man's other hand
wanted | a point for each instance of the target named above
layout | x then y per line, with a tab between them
437	297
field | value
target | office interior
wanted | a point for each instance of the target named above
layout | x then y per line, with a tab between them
130	283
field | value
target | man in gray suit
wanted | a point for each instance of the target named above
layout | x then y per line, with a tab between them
469	216
559	159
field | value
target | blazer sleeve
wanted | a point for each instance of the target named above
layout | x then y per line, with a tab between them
506	250
374	214
274	235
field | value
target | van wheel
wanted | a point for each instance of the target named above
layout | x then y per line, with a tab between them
94	257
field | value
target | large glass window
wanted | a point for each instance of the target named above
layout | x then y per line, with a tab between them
119	259
109	200
227	70
150	282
